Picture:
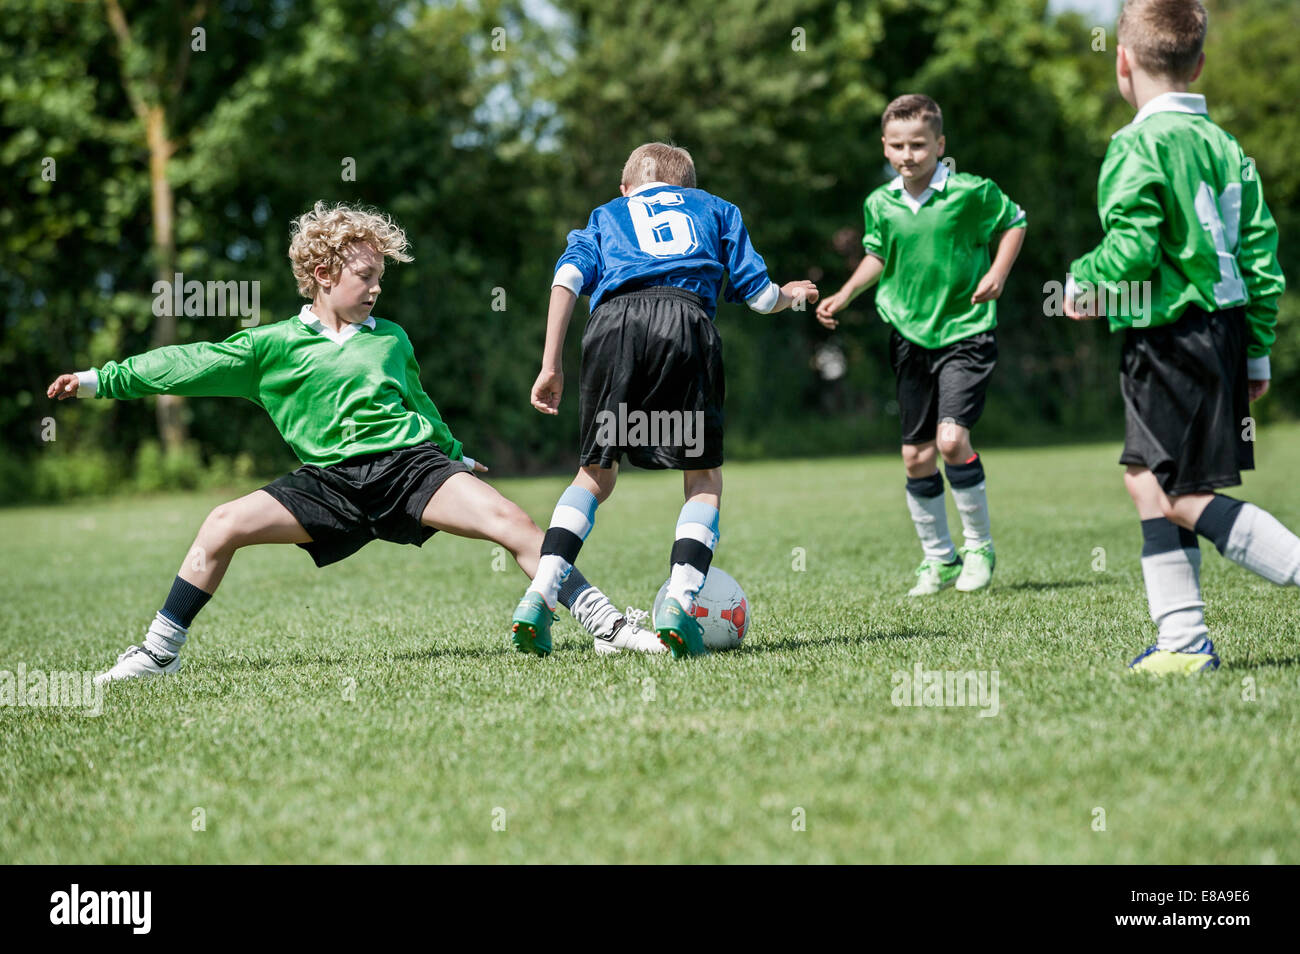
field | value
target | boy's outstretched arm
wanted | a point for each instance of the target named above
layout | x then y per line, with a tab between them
549	385
202	369
863	277
990	286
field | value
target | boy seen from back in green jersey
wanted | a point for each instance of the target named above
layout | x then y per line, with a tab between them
1187	234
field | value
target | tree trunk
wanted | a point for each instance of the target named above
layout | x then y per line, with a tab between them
172	429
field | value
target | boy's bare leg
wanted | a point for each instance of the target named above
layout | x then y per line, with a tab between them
597	481
919	459
255	518
252	519
467	507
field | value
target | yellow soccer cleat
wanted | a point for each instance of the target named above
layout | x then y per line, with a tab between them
1163	662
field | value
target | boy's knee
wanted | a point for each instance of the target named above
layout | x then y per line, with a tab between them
917	455
220	527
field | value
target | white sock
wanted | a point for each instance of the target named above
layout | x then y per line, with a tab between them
966	481
1261	544
552	570
930	515
571	521
165	638
684	585
1174	598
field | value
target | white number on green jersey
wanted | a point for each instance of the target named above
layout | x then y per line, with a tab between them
1221	217
664	234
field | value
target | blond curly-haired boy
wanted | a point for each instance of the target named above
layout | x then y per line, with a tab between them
343	388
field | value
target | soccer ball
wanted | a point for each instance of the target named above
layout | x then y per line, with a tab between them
721	608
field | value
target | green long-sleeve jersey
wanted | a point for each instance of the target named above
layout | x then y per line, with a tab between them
1182	207
330	400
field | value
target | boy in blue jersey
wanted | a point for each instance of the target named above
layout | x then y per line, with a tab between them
653	262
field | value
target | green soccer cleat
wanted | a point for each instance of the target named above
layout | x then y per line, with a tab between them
1164	662
679	630
933	576
976	567
532	625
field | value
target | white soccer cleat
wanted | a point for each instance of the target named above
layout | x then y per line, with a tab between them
976	568
631	635
137	663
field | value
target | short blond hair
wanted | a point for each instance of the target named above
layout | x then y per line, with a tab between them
914	106
659	162
324	235
1165	36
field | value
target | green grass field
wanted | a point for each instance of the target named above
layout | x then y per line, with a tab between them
374	712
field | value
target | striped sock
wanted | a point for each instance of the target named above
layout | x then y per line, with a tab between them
588	605
570	523
930	516
967	484
1171	567
697	536
1253	538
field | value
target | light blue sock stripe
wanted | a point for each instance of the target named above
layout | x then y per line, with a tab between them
695	512
581	500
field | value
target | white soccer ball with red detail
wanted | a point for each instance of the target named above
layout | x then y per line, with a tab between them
721	608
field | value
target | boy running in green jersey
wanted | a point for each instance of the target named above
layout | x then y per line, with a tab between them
343	388
1190	240
927	241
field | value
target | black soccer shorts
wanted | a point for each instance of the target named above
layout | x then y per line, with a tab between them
941	384
652	383
1186	402
370	497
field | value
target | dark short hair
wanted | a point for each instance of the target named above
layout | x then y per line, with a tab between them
914	106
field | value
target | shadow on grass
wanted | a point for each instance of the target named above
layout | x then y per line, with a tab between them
1036	585
1266	662
247	663
789	643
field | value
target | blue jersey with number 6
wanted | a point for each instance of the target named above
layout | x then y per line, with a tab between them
667	235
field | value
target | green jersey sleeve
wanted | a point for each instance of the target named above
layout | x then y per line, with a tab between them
997	212
873	239
1131	213
1257	259
422	404
203	369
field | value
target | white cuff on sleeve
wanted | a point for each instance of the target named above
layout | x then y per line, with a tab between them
1071	289
88	383
569	276
468	461
766	300
1257	369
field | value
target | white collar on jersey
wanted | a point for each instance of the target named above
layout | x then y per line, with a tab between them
308	318
652	185
938	182
1171	103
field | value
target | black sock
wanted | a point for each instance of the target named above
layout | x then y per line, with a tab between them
184	602
1215	523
